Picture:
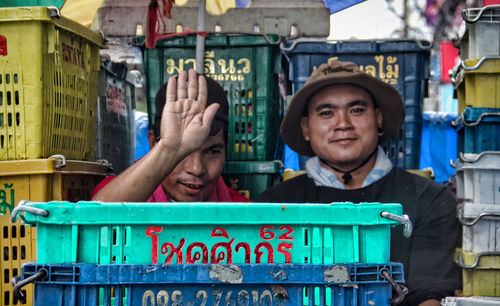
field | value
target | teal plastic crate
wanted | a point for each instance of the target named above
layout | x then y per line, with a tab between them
18	3
478	130
247	67
145	233
252	178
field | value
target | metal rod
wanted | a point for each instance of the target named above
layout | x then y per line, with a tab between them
200	40
405	220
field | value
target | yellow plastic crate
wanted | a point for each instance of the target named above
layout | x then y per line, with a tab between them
36	180
478	83
48	85
481	273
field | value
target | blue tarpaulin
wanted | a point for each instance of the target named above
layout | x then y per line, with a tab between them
338	5
439	144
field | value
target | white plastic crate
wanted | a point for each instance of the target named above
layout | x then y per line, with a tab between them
471	301
481	227
482	32
478	177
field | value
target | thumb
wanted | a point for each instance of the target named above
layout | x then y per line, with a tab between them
209	114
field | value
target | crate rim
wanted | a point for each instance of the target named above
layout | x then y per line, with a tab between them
41	13
112	274
50	166
84	213
267	40
289	46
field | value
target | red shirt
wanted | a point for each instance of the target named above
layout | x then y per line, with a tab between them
235	196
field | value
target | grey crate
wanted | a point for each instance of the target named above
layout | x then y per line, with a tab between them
470	301
116	119
481	227
482	32
478	177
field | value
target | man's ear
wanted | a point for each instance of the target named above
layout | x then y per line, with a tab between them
380	121
304	124
151	139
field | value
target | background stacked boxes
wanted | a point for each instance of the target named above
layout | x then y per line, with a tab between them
477	81
403	64
92	253
48	115
247	67
116	116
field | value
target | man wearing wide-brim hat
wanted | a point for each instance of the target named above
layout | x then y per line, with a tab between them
339	118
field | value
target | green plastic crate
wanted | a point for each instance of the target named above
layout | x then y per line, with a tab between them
145	233
48	85
18	3
251	178
480	272
247	67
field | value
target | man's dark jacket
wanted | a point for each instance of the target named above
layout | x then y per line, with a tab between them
427	255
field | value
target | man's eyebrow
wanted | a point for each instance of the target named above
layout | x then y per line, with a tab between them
334	106
357	103
216	146
325	106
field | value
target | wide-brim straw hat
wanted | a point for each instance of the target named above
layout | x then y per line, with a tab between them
386	97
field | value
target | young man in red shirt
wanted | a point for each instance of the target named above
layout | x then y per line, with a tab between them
187	148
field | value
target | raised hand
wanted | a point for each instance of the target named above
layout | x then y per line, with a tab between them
186	120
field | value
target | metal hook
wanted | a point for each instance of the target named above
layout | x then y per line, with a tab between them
401	290
479	64
476	262
461	119
482	215
21	206
18	285
473	158
60	157
405	220
52	14
481	11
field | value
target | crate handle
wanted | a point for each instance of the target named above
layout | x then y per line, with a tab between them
60	157
479	64
19	284
476	263
481	11
473	158
54	12
107	164
482	215
300	40
401	290
405	220
461	119
21	206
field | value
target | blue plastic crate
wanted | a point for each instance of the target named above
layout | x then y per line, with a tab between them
478	130
402	63
88	284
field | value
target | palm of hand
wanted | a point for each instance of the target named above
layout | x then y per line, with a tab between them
185	123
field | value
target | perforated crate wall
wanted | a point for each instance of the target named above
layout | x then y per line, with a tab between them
48	85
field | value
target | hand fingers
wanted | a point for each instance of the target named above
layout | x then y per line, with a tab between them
181	85
209	114
202	90
171	95
192	92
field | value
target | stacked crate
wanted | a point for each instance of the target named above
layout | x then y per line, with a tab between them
93	253
247	67
404	64
115	116
477	81
48	94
